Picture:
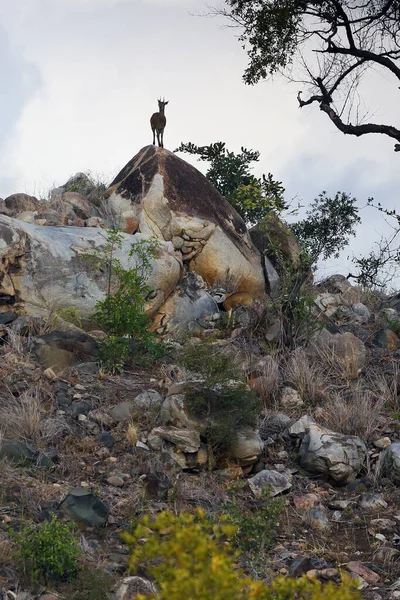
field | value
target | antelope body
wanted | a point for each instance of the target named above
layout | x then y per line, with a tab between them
235	300
158	122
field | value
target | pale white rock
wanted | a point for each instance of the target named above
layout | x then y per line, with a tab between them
53	273
337	455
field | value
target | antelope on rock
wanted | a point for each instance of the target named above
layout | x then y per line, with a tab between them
158	122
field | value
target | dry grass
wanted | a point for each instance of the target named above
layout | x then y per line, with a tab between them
384	386
204	490
266	384
25	418
307	377
131	434
357	415
341	369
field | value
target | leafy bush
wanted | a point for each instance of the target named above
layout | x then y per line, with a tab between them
189	557
230	173
122	313
223	400
49	551
255	525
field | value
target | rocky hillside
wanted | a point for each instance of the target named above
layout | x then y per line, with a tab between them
298	447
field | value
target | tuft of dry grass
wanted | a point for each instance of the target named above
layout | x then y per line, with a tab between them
307	377
131	434
25	418
341	369
357	415
385	386
266	384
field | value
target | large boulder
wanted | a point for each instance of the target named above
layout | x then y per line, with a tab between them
18	203
340	457
45	268
175	202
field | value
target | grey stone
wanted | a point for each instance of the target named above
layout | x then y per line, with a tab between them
270	480
362	311
82	506
187	440
334	454
391	462
150	399
247	447
122	412
372	501
317	519
131	587
273	426
7	317
18	453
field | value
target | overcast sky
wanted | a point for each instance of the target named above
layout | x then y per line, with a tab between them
80	79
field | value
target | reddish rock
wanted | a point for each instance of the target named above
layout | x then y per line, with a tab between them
305	502
362	571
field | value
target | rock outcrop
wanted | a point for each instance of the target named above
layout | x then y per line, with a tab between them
44	268
174	202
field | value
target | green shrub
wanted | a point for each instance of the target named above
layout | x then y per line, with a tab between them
49	551
255	525
122	312
189	557
224	402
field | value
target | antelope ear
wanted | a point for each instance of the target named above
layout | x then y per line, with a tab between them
166	102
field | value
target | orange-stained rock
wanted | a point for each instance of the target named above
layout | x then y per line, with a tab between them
174	202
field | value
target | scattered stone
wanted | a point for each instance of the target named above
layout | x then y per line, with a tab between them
328	303
300	427
305	502
290	398
82	506
275	482
131	587
348	348
142	445
317	519
122	412
115	481
7	317
18	453
150	399
382	443
247	447
367	574
187	440
362	311
106	439
383	525
80	408
386	338
372	501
